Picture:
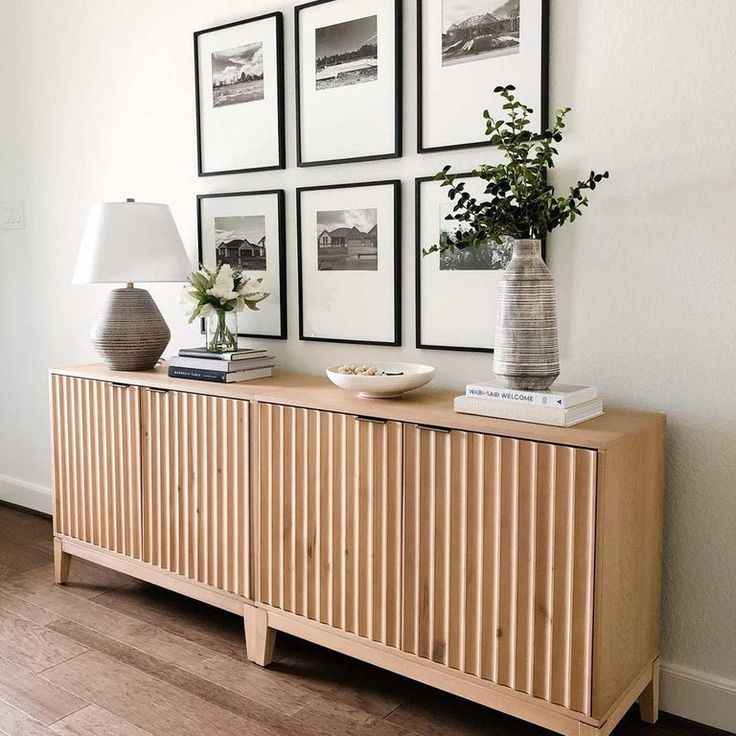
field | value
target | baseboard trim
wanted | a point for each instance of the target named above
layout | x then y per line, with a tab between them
698	696
26	495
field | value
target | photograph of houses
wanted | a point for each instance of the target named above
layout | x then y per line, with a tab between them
492	257
478	29
347	240
347	53
237	75
241	242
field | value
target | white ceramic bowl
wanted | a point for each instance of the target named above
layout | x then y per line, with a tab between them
398	379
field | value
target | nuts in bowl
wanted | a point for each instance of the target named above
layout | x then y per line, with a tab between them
350	369
381	380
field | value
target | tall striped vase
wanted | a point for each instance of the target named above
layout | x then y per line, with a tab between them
526	354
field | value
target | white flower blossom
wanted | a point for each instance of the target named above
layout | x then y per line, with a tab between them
224	287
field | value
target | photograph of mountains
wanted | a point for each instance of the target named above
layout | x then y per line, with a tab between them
478	29
241	242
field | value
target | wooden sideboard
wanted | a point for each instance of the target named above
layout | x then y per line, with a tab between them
513	564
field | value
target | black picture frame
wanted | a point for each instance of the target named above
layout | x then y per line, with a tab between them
544	81
281	204
396	184
281	106
419	344
398	96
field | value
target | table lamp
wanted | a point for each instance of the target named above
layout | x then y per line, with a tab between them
125	242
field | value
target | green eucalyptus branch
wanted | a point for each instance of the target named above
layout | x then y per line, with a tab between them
520	202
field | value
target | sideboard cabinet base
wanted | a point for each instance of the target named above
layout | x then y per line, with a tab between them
514	565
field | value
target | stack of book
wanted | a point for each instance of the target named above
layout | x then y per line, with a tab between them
240	365
561	406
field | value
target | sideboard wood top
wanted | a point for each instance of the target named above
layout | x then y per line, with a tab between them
431	407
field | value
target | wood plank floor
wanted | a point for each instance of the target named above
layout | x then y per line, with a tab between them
106	655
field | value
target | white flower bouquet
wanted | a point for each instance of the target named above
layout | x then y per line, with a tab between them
218	296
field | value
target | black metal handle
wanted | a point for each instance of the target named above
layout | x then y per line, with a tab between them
157	390
115	384
371	420
432	428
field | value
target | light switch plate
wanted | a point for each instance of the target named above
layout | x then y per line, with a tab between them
12	216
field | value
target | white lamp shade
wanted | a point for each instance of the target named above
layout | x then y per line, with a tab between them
128	242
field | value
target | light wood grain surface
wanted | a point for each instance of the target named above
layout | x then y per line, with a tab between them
497	563
426	406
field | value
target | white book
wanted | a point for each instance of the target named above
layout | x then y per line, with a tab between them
224	366
560	395
553	415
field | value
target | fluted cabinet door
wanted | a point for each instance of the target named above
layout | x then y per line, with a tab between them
196	487
96	463
498	560
329	519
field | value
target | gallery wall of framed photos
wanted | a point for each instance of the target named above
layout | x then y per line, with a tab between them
368	100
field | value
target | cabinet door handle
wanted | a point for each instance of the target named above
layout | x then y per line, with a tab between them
157	390
115	384
371	420
432	428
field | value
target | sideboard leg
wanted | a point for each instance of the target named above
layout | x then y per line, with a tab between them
62	561
649	699
259	638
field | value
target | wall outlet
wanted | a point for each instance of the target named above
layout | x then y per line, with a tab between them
12	216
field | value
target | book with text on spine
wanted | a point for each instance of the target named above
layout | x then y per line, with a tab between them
553	415
561	395
196	374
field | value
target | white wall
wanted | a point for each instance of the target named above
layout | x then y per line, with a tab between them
97	104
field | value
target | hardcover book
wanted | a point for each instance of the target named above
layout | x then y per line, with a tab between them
218	376
241	354
223	366
560	395
553	415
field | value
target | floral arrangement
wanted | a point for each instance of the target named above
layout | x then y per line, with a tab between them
519	200
225	290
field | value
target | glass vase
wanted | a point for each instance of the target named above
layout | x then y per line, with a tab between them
221	330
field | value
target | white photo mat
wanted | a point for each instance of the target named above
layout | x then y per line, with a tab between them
350	121
360	306
456	309
454	95
270	319
247	132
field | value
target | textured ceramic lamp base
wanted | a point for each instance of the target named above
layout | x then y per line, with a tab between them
526	353
130	334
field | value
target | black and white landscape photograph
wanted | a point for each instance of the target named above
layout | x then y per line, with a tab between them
347	53
479	29
347	240
241	242
237	75
492	257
